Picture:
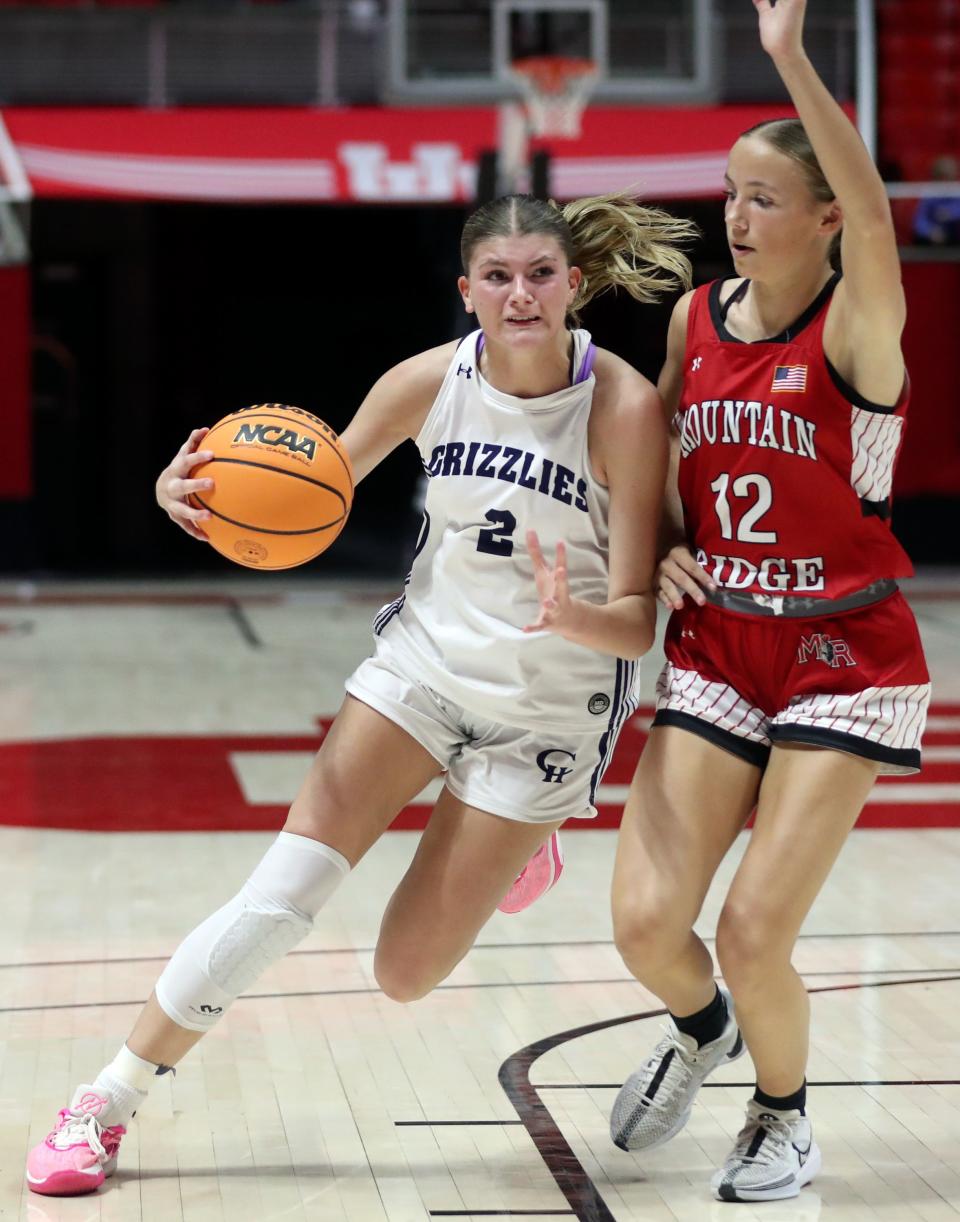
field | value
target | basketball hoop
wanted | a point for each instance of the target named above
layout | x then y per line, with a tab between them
555	92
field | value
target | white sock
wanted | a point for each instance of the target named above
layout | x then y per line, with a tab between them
126	1081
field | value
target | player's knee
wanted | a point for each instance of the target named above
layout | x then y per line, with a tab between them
749	944
223	957
646	930
268	917
261	932
403	975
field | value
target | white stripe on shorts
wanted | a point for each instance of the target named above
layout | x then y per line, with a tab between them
891	716
718	704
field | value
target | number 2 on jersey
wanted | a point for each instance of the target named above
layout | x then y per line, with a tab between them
498	541
742	487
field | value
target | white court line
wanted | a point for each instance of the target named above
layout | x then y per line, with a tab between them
272	778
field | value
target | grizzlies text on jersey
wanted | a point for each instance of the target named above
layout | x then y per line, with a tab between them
498	466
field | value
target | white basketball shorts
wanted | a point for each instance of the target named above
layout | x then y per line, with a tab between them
527	775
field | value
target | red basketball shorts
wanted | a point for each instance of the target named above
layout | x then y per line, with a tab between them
854	682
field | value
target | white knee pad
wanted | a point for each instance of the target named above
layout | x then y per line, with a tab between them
272	912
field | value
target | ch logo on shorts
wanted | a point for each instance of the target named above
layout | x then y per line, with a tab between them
832	650
598	703
554	771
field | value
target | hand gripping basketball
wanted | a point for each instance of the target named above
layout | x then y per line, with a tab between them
273	489
175	485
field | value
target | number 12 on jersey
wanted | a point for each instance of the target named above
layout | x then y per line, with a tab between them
743	486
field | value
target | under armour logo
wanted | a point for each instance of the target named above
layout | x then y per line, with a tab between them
553	772
697	362
688	632
465	369
211	1009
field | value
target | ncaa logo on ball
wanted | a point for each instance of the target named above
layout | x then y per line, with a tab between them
276	435
598	703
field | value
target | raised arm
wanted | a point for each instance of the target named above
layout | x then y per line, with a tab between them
864	331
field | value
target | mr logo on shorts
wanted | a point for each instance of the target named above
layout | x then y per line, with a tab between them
554	772
825	649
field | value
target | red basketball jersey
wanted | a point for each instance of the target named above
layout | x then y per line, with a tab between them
785	471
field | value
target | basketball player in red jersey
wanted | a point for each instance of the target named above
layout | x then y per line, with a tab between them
794	671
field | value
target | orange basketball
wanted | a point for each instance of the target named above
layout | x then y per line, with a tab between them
283	486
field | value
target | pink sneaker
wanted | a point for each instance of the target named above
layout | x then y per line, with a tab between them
80	1152
536	878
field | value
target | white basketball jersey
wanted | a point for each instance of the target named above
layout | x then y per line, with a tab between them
497	467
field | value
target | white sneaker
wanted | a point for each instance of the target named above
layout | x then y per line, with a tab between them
774	1156
655	1102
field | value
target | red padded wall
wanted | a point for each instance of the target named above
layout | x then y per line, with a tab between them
930	461
15	461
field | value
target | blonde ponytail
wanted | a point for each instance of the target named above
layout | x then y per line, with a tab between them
621	244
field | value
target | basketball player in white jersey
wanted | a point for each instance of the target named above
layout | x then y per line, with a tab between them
507	675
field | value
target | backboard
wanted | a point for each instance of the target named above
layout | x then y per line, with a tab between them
458	51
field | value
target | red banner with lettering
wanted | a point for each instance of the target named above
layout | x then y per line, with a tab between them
359	154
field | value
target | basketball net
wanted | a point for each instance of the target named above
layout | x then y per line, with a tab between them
555	91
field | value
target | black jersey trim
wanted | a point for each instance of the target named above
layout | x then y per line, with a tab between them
875	509
754	753
851	744
855	397
789	334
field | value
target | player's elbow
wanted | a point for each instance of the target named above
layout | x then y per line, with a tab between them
648	624
646	645
641	640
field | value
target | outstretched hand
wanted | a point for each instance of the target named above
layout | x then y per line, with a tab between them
781	26
555	603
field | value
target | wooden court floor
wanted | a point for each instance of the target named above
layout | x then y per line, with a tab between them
181	715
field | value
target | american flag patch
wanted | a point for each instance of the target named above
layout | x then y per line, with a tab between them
790	377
